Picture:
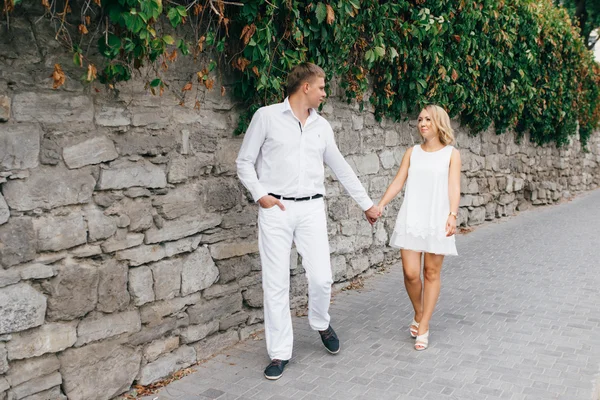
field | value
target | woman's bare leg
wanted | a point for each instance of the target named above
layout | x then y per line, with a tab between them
411	266
431	288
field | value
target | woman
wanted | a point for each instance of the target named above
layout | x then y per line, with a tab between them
426	222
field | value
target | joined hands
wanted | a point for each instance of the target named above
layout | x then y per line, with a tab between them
373	214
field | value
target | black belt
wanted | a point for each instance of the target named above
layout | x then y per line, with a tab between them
280	197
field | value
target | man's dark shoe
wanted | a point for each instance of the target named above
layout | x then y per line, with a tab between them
330	340
275	369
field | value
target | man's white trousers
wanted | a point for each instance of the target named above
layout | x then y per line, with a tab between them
305	224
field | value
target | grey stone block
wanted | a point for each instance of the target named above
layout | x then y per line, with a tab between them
73	292
19	146
52	108
167	279
9	277
215	309
111	116
139	212
58	233
155	312
122	241
3	359
52	394
215	343
36	385
160	347
4	211
194	333
233	320
182	227
86	251
142	254
198	271
48	338
4	108
220	291
36	271
100	226
125	174
236	268
178	202
112	286
220	251
26	370
166	365
253	296
159	329
141	285
477	216
91	151
89	372
100	327
18	242
21	307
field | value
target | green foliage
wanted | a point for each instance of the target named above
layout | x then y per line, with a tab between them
586	12
518	64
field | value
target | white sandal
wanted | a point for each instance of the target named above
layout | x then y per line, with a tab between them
413	328
422	342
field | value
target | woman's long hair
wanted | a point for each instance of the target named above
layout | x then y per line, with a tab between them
442	122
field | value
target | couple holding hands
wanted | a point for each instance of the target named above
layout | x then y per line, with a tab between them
281	163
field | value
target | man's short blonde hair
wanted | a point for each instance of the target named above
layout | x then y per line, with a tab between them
301	73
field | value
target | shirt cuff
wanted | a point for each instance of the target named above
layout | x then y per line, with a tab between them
258	194
366	204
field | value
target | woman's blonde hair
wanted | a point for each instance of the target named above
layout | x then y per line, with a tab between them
442	122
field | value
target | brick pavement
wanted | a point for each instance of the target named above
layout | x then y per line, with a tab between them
518	318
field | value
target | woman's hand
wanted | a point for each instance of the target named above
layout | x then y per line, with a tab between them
450	225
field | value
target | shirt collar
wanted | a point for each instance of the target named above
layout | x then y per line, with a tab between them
312	114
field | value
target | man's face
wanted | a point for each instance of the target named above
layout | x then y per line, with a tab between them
315	91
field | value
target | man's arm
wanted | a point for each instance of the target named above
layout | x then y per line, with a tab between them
342	170
253	140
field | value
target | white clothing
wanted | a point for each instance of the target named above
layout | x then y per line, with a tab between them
304	223
289	157
421	222
280	156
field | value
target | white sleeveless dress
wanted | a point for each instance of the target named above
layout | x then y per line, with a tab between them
421	222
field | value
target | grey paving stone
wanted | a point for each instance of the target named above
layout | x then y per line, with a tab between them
516	319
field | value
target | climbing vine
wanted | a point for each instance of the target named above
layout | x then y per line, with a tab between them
517	64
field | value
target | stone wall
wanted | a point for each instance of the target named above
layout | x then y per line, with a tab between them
128	246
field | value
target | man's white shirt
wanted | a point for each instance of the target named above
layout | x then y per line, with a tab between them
280	156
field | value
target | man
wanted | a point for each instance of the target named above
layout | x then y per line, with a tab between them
281	164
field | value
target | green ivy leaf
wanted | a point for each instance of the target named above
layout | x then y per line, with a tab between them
155	82
183	47
174	17
380	51
168	39
77	58
181	11
109	46
321	12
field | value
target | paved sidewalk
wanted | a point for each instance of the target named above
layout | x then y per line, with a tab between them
518	318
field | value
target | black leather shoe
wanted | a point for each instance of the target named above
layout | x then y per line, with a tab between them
275	369
330	340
